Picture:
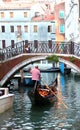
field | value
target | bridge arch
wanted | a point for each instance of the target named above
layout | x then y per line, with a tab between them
32	60
73	66
19	66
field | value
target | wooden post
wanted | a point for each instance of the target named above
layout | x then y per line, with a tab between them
22	76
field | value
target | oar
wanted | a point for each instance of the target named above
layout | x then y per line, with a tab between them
55	95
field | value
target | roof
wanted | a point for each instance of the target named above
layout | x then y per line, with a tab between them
16	5
20	5
44	9
47	17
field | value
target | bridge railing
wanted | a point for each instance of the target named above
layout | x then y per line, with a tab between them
77	49
40	47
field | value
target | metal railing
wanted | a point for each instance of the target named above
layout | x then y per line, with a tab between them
40	47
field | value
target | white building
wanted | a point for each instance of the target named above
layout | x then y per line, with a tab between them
20	22
34	20
71	20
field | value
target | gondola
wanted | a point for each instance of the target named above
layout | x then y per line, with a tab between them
43	94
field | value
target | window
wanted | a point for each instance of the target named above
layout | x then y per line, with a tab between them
19	29
12	28
47	6
12	43
49	28
2	14
35	28
25	14
61	14
36	14
3	28
62	29
11	14
26	28
3	44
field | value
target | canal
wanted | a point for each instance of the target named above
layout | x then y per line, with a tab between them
24	116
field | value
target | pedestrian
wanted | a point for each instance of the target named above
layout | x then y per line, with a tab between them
35	75
27	49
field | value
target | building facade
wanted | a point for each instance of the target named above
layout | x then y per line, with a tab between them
72	20
20	22
42	20
60	21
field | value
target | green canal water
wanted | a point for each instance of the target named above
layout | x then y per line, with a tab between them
24	116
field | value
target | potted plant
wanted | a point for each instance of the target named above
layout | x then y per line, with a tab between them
53	58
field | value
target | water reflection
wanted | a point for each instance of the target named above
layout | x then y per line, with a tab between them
62	83
38	115
24	116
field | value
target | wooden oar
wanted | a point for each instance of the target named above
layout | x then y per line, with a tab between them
55	95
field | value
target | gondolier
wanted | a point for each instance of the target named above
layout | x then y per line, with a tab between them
35	75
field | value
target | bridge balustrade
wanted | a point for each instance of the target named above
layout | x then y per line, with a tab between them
77	49
40	47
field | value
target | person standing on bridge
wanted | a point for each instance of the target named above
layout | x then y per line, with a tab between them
27	49
36	74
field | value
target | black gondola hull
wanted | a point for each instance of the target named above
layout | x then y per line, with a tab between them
37	99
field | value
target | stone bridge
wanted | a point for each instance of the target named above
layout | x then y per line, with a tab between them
13	59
